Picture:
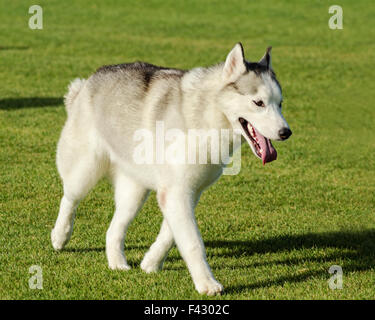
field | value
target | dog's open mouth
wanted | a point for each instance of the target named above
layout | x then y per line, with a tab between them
261	146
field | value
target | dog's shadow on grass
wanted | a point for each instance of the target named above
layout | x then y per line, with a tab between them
14	48
356	253
85	250
102	249
30	102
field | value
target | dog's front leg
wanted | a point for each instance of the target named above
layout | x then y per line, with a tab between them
178	208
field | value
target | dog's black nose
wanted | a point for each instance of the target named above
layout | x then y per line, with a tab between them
285	133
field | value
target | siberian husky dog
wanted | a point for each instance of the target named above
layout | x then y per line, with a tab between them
105	113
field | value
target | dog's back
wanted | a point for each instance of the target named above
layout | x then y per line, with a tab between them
132	83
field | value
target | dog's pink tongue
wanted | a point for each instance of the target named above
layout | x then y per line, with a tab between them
269	152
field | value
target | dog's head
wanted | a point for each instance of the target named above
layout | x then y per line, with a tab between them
251	99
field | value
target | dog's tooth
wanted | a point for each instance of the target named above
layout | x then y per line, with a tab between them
251	130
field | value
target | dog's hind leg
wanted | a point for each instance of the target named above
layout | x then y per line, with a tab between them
63	228
155	256
80	169
129	198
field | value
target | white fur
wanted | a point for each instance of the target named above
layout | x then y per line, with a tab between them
233	66
74	88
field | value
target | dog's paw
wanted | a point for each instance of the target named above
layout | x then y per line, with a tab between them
59	239
119	266
149	266
209	287
117	261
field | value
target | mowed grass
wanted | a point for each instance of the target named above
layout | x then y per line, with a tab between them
271	232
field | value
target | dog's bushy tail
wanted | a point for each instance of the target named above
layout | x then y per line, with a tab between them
73	89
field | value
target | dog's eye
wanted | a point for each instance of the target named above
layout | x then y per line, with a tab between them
280	105
259	103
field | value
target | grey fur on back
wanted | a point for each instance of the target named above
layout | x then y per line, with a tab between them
136	94
140	72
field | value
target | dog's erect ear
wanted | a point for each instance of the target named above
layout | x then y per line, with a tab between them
266	60
234	64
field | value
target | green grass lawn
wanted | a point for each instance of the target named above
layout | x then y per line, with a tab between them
271	232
